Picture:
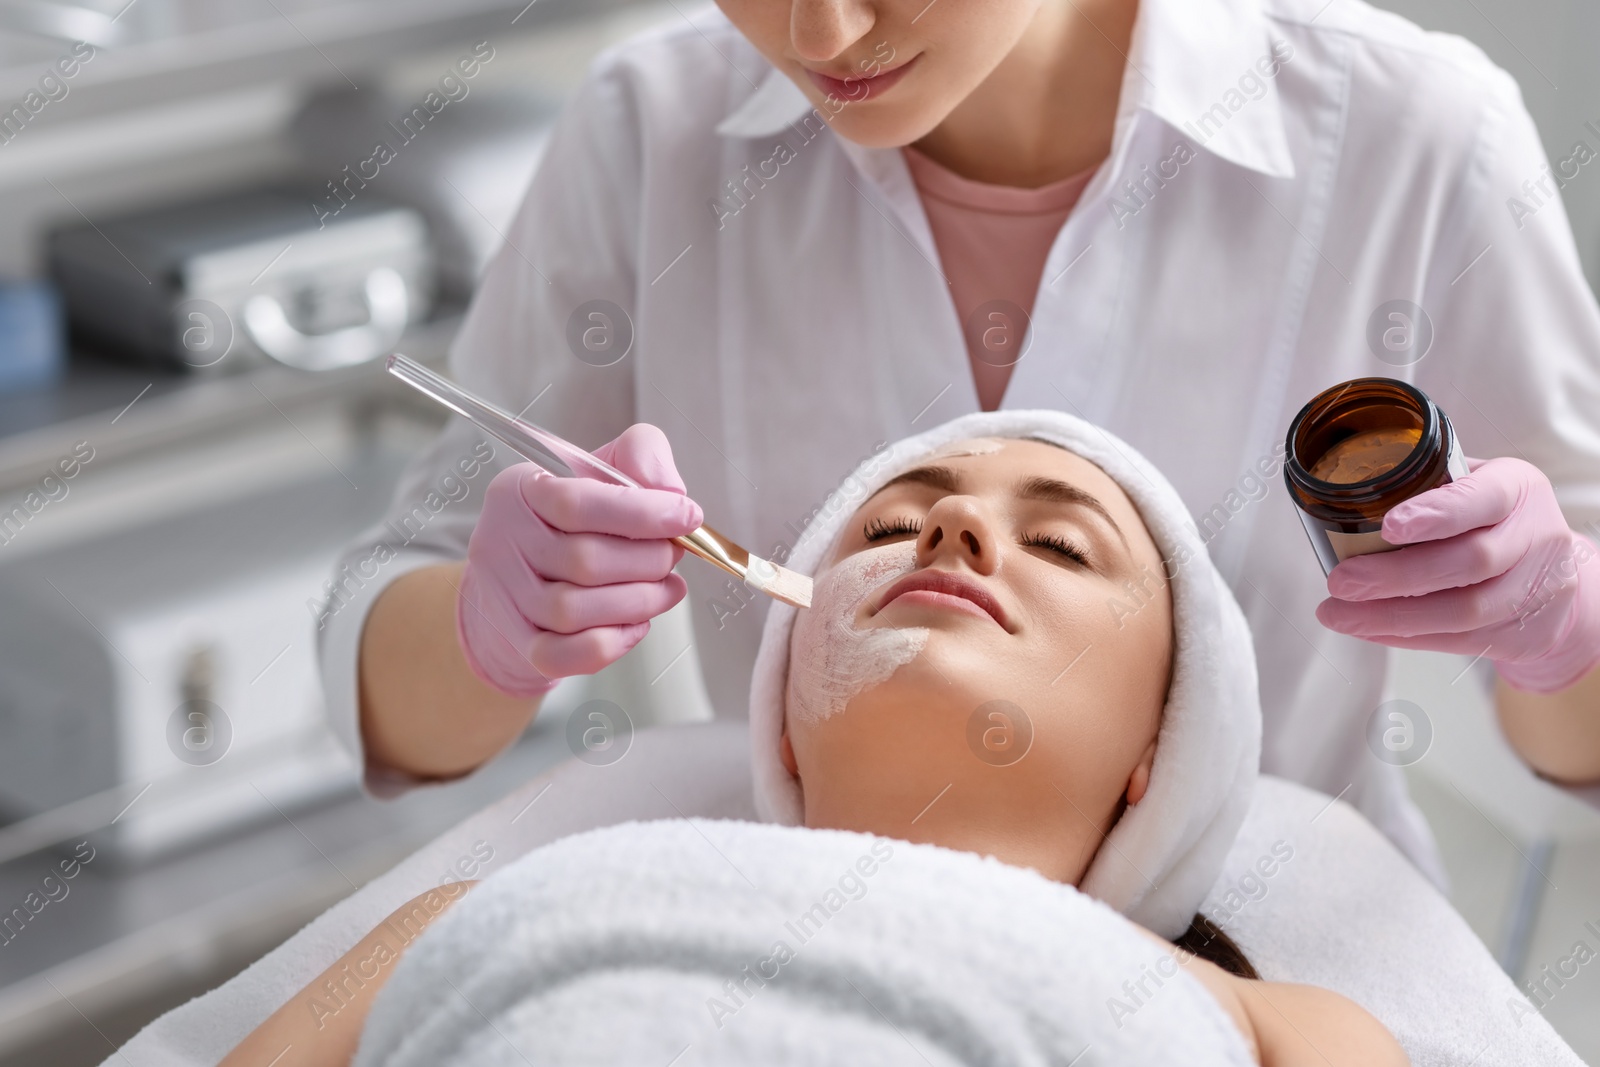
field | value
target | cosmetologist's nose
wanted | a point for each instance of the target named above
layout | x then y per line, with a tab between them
820	30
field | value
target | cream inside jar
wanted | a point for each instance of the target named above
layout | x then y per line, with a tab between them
1366	455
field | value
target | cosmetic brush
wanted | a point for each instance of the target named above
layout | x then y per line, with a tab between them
567	460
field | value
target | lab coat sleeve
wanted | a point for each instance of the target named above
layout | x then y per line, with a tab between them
1515	359
571	243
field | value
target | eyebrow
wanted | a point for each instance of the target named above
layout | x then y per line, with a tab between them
1049	490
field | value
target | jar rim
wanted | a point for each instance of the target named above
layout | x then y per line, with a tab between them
1323	407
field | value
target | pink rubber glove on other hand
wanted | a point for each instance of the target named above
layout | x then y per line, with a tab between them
1490	568
563	575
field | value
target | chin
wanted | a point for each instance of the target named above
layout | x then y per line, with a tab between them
935	683
881	125
961	655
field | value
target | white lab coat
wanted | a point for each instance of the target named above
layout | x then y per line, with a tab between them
1220	269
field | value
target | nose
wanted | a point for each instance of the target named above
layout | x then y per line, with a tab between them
957	529
820	30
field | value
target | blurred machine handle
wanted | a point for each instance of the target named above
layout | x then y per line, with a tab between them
388	310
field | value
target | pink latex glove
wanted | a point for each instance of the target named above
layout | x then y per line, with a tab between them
563	575
1490	569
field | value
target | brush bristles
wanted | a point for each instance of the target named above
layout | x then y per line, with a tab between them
780	583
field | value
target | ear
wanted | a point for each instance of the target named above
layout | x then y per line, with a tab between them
786	753
1139	780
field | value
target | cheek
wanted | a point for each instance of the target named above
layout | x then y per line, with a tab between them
1134	640
977	37
831	660
1101	654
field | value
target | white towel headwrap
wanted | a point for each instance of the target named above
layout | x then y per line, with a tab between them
1164	854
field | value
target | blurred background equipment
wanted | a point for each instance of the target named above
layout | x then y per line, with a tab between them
466	177
60	22
195	185
33	350
175	647
246	276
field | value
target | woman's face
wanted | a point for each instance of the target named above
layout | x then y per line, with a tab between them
894	69
1012	710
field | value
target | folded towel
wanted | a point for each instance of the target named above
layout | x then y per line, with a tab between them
1165	852
716	942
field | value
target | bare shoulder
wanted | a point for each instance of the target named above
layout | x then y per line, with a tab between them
1302	1024
320	1026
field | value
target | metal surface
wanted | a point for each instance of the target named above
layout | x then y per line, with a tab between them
127	411
171	49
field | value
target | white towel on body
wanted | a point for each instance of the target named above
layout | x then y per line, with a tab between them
700	943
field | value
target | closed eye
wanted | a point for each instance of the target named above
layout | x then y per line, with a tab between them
1057	544
878	529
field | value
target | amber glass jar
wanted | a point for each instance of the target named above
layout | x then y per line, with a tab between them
1358	449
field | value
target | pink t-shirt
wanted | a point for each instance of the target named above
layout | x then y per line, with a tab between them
992	241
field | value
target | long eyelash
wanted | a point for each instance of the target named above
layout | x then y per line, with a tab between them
878	529
1057	544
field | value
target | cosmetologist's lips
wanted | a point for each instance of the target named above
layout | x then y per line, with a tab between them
856	88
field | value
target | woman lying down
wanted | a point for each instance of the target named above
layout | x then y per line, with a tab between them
1022	703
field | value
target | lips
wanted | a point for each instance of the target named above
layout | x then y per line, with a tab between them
855	88
938	587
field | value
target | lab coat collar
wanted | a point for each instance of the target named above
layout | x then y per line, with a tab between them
1185	66
776	103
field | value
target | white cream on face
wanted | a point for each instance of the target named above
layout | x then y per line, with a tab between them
972	446
830	658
